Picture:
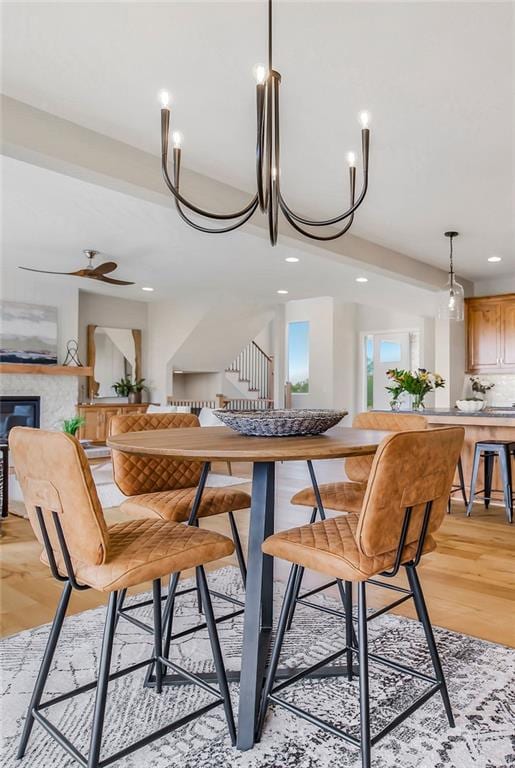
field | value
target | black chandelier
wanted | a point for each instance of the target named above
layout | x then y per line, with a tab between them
268	196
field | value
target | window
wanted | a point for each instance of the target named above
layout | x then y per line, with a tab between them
389	352
298	357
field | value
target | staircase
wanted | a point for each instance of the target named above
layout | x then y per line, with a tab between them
252	371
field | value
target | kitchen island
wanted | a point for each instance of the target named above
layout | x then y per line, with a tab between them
490	424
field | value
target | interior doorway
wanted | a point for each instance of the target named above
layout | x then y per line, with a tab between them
383	350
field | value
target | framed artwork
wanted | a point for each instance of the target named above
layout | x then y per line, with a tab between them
28	333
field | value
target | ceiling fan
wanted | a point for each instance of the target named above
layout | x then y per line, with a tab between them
93	273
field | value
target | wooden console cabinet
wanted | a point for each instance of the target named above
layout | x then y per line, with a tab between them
97	417
491	334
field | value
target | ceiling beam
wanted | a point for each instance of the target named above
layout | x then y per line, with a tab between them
46	140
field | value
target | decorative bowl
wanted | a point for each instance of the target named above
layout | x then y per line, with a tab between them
281	423
470	406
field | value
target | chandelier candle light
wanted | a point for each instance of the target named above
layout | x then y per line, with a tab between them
268	168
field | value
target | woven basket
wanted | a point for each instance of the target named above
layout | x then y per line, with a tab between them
281	423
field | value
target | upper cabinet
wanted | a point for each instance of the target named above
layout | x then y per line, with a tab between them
491	334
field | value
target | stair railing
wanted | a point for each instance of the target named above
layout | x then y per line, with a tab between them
256	369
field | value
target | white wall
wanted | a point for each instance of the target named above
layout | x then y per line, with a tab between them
495	285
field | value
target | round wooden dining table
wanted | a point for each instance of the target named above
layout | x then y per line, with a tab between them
222	444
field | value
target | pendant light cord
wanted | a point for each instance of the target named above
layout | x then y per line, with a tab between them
269	36
451	257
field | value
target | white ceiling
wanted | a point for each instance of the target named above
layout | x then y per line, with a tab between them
437	78
48	218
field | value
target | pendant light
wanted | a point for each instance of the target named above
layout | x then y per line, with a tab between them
451	302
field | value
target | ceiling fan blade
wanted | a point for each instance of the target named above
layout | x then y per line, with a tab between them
111	280
46	271
105	268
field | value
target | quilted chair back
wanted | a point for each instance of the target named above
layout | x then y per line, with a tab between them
145	474
358	469
409	470
54	475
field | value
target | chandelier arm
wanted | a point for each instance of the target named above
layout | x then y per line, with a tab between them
221	230
275	159
302	231
174	189
295	225
354	204
218	216
260	146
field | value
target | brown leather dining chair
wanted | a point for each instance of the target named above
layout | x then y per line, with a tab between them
347	495
163	488
84	553
404	505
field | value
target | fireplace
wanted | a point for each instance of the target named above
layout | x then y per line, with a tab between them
18	411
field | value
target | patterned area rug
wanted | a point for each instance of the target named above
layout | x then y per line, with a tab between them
481	678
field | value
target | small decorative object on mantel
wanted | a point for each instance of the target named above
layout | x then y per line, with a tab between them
416	383
280	423
481	387
130	389
72	353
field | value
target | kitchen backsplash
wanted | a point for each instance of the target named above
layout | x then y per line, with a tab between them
503	392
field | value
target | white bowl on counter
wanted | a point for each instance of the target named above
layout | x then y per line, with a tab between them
470	406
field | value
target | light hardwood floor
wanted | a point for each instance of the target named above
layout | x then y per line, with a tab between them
469	581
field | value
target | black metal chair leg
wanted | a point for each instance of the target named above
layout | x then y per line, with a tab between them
293	605
239	549
505	466
289	597
199	593
349	629
420	604
217	652
473	482
45	666
103	681
121	600
488	470
364	697
158	633
462	481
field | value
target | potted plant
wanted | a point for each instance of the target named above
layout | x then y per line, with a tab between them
137	388
72	426
481	387
416	383
130	389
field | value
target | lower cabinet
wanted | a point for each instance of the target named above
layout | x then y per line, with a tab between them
96	418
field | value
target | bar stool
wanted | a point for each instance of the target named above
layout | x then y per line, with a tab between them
404	506
489	450
83	553
346	495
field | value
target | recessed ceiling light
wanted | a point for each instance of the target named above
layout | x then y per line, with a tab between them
146	288
362	279
178	371
281	290
291	259
494	259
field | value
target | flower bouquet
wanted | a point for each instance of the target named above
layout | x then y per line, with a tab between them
416	383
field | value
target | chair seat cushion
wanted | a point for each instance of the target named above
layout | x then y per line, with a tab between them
176	505
330	547
341	497
143	550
